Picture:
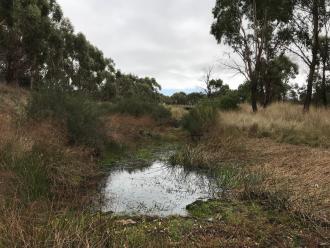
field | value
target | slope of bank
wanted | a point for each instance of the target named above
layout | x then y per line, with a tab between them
278	157
293	148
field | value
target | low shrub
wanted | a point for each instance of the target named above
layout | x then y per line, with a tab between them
200	119
79	115
227	102
138	107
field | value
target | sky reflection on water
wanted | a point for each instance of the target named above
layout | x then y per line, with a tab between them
157	190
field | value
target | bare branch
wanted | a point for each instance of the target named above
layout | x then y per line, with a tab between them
236	67
300	55
208	72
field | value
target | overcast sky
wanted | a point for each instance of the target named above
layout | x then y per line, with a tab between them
168	40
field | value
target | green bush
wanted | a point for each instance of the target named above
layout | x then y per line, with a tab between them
200	119
138	107
80	116
227	102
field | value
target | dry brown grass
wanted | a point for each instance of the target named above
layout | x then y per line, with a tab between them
40	226
17	139
177	111
300	172
295	175
219	147
297	169
284	122
12	99
125	129
131	131
70	172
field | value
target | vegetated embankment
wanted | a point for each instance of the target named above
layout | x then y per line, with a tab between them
51	148
50	158
278	157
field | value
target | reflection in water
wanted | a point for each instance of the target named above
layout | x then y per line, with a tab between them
156	190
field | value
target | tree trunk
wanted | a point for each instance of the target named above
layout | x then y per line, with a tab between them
209	91
33	73
325	62
254	95
268	92
315	50
324	86
254	83
10	74
32	82
309	92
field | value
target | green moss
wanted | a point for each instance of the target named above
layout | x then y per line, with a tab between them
144	154
201	209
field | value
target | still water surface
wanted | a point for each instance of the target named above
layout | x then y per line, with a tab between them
156	190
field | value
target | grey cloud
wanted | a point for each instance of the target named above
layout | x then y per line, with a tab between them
169	40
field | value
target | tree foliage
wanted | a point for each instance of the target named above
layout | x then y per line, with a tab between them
39	48
310	19
261	32
256	30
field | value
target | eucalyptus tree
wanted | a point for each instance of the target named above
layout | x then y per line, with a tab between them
38	45
216	87
148	88
132	86
275	76
37	21
125	85
254	29
179	98
60	64
310	17
74	63
89	68
194	98
10	44
25	29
